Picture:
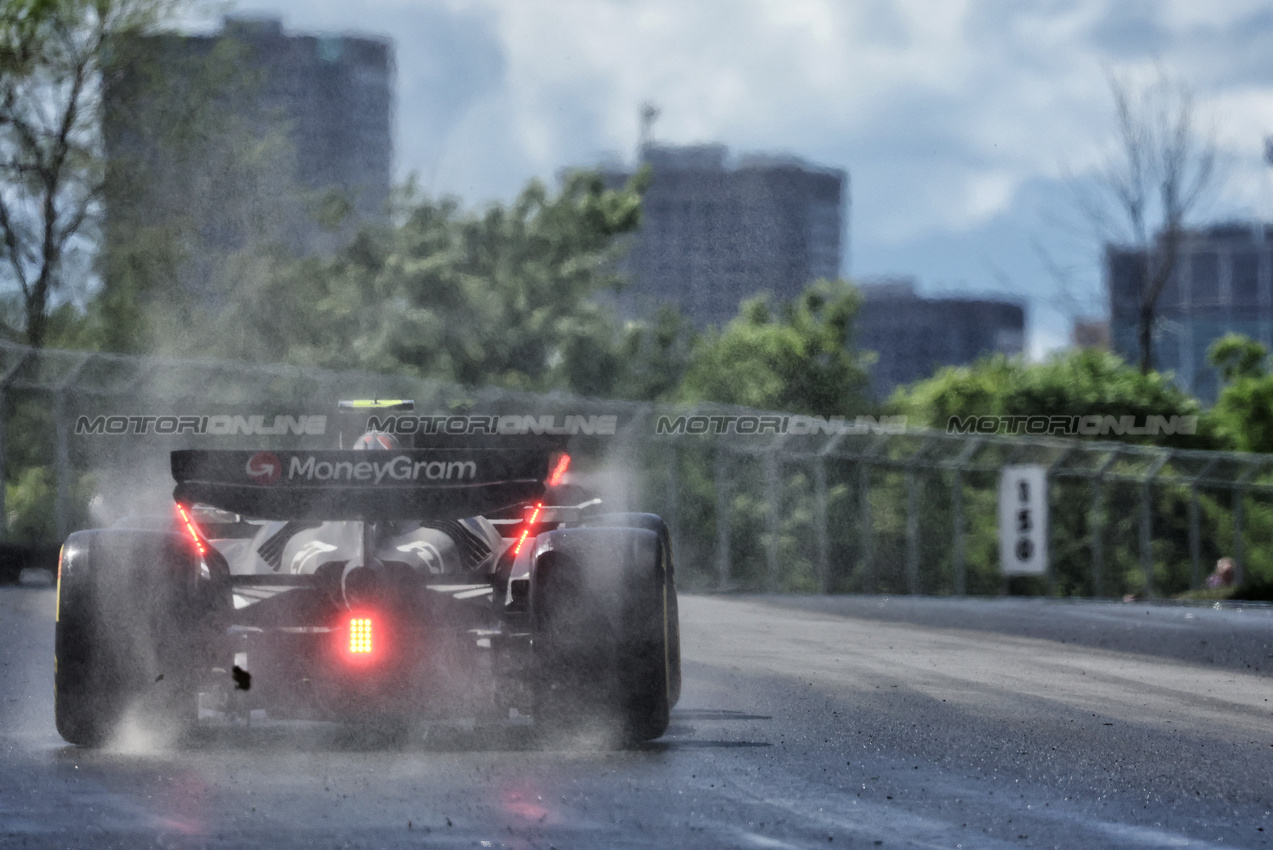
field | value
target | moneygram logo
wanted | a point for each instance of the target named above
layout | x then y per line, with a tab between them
400	468
264	468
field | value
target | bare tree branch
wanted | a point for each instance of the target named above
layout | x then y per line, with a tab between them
1161	169
14	249
51	168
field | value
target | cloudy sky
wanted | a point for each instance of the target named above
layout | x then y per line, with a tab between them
964	124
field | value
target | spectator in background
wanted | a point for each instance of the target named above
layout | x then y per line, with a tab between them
1224	574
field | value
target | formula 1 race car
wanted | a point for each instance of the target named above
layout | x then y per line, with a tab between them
377	584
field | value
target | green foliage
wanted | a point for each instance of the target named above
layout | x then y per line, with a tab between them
504	296
201	190
797	357
29	501
655	355
53	55
1243	414
30	490
1072	383
1237	356
1077	383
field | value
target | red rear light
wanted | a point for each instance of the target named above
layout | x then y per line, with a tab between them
559	471
554	478
360	636
530	524
191	529
363	638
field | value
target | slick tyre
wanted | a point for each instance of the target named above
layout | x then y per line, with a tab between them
124	641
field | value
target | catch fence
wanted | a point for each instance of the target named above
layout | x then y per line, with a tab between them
870	508
917	512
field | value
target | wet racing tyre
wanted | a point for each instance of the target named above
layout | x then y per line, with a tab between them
601	634
655	523
125	635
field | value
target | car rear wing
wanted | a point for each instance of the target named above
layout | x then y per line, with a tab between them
433	483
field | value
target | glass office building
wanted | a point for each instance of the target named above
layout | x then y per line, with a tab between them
289	122
913	336
1220	284
714	232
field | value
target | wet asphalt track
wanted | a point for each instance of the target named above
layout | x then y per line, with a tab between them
806	722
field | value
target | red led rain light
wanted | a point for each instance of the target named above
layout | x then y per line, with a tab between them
563	463
530	523
191	529
360	635
559	471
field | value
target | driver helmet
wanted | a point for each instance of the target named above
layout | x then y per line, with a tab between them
377	440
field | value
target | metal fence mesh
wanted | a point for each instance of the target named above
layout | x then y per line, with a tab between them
909	512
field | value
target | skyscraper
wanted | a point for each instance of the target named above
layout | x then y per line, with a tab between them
914	336
1221	283
714	233
290	130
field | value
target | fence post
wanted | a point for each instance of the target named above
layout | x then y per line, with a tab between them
957	532
912	532
1195	527
4	458
1052	472
957	514
1146	523
634	447
771	519
62	458
7	379
4	465
1098	538
912	515
1239	567
61	467
868	527
1239	516
1097	519
821	509
820	523
674	499
722	519
1195	541
1146	540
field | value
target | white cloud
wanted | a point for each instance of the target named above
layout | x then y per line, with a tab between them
941	111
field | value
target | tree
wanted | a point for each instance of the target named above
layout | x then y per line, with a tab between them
1243	414
51	168
797	357
201	188
1086	382
656	354
1159	171
502	296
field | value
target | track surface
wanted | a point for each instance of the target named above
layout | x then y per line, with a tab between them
806	722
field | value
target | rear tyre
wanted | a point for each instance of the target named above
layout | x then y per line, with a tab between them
600	616
127	627
655	523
